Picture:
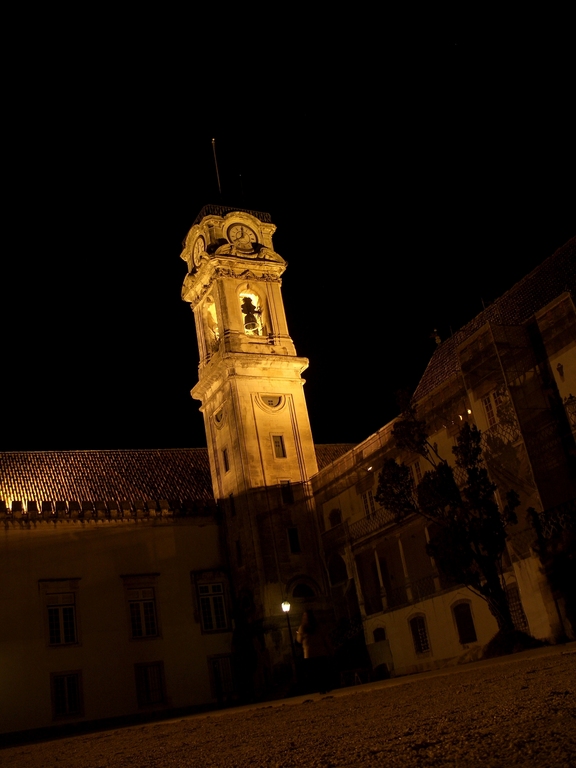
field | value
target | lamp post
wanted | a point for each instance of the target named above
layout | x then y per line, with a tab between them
286	609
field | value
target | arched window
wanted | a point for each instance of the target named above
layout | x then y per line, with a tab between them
379	634
211	321
419	634
337	572
464	623
335	518
303	590
251	313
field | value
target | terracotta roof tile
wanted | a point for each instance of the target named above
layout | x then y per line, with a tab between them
326	454
119	475
128	475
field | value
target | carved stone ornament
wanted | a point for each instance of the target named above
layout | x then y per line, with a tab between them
269	255
246	274
268	278
256	251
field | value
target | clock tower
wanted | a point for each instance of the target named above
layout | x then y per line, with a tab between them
257	427
250	377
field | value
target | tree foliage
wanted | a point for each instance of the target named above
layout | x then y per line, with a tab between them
467	531
556	548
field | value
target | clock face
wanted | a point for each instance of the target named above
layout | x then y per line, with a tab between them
242	237
199	248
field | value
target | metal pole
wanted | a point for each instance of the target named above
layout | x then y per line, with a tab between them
216	164
290	636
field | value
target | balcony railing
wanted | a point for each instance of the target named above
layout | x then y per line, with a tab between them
406	594
367	525
412	592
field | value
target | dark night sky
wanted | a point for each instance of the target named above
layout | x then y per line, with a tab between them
406	190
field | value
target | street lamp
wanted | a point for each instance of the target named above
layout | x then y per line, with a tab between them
286	609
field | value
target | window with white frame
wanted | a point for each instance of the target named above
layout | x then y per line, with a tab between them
62	618
491	403
212	607
368	501
142	605
60	610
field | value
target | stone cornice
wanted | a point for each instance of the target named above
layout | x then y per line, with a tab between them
198	284
248	365
73	512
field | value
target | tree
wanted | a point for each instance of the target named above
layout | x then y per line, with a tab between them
467	531
556	547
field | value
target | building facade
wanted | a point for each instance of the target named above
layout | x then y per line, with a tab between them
117	598
511	371
141	581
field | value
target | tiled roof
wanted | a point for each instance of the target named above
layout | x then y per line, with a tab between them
119	475
129	475
555	276
326	454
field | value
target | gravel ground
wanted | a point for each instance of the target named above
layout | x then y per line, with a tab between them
520	711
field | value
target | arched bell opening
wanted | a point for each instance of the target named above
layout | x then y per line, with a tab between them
252	312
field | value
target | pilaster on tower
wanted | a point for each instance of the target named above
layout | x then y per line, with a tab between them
250	377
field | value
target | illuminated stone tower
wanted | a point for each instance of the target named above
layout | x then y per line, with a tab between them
257	427
250	383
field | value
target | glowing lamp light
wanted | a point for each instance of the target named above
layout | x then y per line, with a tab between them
469	411
285	606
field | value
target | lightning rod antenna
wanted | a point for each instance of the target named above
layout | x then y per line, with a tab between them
216	164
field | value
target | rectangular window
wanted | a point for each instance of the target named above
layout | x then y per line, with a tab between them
67	694
516	608
287	492
142	607
225	460
60	611
417	471
294	541
419	634
464	623
222	678
279	448
491	404
368	500
212	607
150	687
61	618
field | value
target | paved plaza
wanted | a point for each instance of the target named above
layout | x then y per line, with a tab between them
516	711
